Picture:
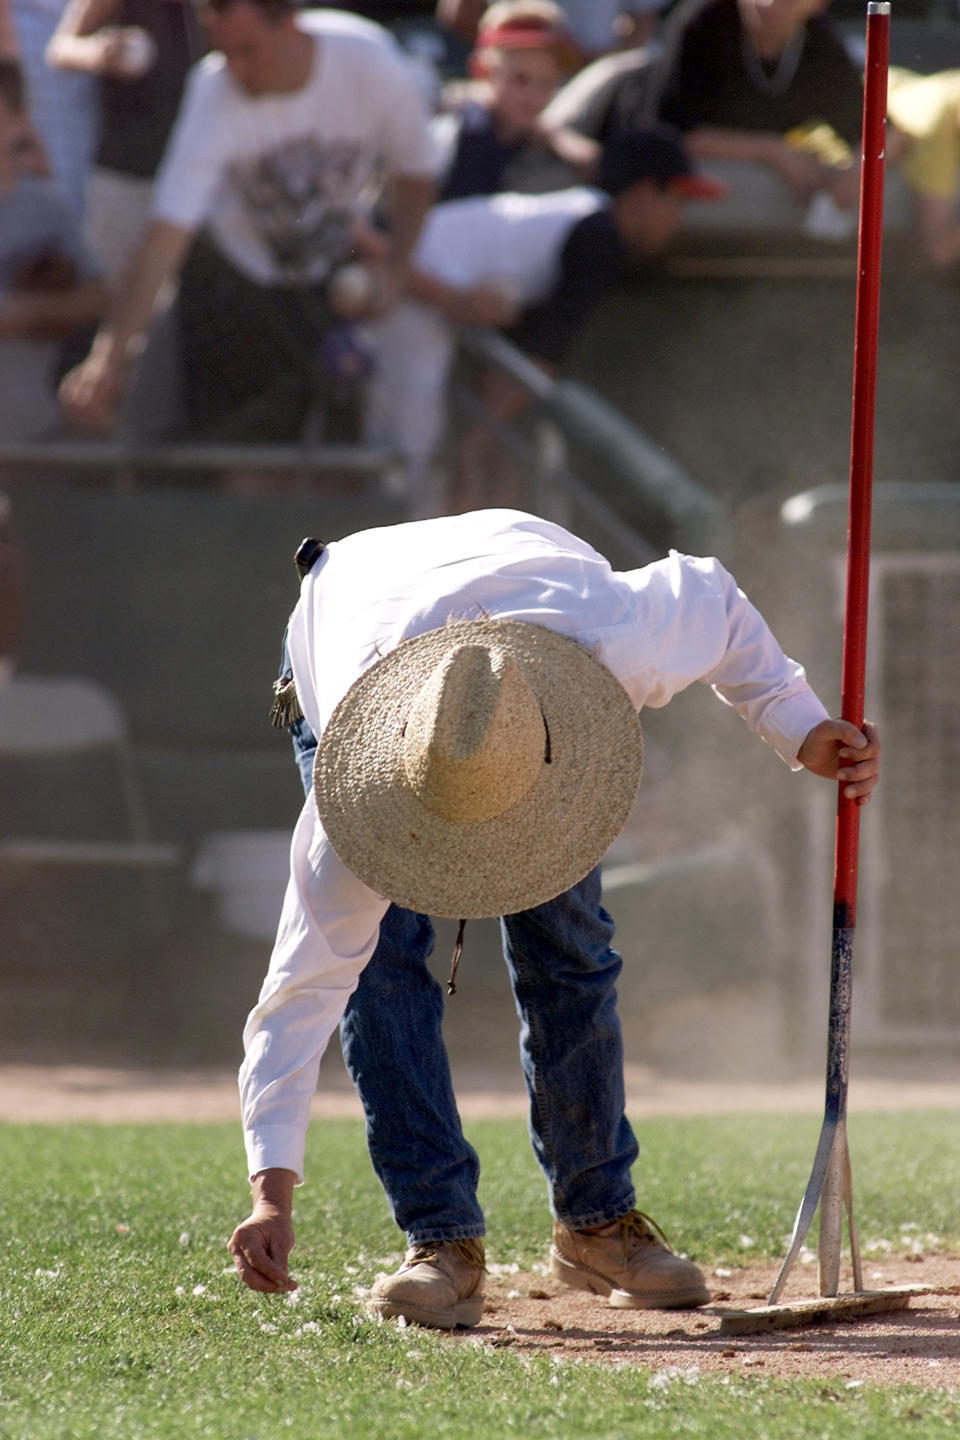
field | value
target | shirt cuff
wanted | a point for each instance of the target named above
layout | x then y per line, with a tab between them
275	1147
788	722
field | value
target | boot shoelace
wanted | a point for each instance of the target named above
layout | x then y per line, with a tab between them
470	1250
636	1226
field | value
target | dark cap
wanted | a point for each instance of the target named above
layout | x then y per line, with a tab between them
656	154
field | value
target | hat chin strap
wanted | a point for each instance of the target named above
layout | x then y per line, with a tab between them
475	739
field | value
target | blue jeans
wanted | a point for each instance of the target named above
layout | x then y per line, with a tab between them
563	972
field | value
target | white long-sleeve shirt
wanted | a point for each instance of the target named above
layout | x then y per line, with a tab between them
657	629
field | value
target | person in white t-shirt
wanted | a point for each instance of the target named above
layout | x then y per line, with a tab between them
283	137
475	683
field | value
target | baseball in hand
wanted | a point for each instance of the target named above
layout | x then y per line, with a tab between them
352	289
139	50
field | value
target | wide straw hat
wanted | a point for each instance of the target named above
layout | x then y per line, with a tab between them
479	769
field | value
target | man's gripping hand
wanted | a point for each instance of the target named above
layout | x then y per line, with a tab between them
837	750
261	1244
89	393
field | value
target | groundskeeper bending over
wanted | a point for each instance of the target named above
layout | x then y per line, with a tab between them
474	683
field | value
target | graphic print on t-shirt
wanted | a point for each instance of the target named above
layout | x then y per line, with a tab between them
299	198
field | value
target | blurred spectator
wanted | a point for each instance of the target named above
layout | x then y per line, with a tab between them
598	26
387	12
414	25
27	147
62	106
535	266
283	135
412	28
141	50
926	112
12	592
493	139
8	39
768	82
49	280
614	94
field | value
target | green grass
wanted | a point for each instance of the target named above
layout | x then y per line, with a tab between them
120	1317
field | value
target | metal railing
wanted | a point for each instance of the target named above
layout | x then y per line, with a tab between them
120	455
587	455
612	469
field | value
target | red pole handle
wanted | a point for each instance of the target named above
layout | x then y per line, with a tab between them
866	327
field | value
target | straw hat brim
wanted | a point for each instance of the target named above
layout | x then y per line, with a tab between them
539	847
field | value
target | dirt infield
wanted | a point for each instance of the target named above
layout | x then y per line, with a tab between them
533	1314
917	1346
51	1093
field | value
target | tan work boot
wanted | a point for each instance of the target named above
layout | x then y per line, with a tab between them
630	1261
439	1284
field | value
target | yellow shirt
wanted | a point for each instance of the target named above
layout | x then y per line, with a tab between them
926	108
